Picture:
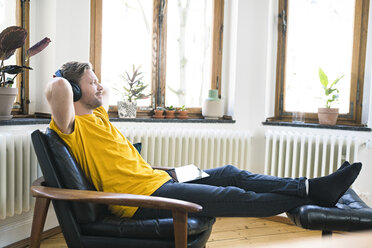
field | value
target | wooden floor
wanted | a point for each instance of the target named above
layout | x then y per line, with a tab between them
237	232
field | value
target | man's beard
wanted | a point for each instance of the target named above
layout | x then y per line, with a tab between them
93	104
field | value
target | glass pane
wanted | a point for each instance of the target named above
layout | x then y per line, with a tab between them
320	35
189	43
126	41
7	19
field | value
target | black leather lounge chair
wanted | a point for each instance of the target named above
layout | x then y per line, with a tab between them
82	211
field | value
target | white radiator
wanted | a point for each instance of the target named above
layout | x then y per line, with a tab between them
293	154
18	169
206	148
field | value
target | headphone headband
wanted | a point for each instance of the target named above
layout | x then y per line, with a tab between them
58	73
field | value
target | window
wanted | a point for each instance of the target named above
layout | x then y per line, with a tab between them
173	42
16	13
326	34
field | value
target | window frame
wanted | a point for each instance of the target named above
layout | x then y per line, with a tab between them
21	105
354	117
158	80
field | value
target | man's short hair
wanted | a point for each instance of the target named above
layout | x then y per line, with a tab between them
73	71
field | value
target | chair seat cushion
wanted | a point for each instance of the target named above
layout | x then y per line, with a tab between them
349	214
112	226
193	241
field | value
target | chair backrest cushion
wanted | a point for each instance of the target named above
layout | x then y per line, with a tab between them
62	170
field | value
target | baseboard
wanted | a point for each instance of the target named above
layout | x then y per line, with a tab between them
17	228
26	242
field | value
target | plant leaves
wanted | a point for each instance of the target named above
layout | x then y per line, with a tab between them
14	69
336	81
142	88
323	78
136	86
329	91
11	38
38	47
126	89
7	55
142	96
335	97
6	84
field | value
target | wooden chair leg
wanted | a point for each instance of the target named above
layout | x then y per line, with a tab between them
38	222
180	228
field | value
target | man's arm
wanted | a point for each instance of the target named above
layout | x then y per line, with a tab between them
60	98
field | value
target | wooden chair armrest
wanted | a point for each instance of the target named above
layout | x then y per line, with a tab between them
112	198
44	194
162	167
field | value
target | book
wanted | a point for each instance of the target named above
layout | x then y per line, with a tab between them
187	173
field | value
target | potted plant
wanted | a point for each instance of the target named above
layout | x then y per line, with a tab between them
11	39
170	112
212	106
182	112
328	115
159	113
132	91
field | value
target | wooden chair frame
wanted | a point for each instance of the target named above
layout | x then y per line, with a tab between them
44	194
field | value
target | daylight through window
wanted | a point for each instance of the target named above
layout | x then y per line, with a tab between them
326	34
170	41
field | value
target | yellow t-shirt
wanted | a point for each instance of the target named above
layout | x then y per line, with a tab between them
109	160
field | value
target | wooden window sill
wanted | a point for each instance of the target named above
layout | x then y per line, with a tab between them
317	125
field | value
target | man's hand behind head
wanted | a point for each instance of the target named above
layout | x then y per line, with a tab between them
60	99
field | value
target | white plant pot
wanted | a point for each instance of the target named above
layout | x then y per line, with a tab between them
127	109
7	97
212	109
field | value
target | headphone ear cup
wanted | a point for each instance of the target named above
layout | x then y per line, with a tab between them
75	88
76	91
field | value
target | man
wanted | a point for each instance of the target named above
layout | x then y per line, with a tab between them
114	165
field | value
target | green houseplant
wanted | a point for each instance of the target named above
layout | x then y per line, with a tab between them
182	112
132	90
159	113
170	112
11	39
328	114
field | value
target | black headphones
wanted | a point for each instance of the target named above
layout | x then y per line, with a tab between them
75	87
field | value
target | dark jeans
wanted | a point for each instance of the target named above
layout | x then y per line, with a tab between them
231	192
